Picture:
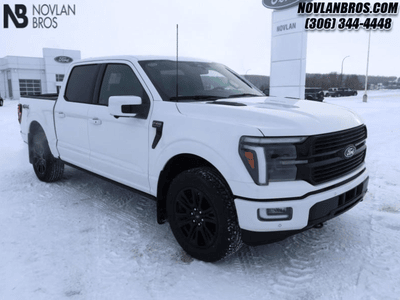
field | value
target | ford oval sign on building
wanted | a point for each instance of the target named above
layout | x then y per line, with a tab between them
63	59
280	4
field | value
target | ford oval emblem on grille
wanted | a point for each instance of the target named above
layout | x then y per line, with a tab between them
349	151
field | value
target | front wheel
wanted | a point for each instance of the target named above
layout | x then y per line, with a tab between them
202	215
47	168
1	102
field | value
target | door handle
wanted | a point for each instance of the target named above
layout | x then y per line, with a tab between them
61	115
95	121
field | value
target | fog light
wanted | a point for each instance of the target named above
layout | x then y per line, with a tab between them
275	214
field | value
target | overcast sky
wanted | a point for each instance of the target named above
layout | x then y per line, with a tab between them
234	32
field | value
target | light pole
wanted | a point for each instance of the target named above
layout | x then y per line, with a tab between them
341	74
365	97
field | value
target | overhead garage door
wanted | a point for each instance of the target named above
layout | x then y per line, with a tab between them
30	87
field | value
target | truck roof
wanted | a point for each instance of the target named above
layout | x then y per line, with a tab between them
141	58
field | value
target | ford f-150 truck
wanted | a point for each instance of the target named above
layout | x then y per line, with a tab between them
225	163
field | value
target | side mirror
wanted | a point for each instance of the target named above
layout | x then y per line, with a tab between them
124	106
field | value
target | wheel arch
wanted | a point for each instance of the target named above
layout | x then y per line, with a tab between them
47	168
176	165
34	128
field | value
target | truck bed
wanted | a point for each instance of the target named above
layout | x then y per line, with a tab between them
52	96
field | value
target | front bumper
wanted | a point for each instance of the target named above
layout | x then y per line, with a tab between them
307	212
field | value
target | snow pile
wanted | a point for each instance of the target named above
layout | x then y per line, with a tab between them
85	238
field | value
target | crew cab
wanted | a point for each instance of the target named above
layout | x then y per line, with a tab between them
225	163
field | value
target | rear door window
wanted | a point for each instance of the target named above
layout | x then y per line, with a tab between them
81	83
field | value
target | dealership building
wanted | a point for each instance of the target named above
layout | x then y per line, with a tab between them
22	76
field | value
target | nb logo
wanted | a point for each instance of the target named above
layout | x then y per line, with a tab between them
19	13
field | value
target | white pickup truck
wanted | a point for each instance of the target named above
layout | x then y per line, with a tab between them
225	163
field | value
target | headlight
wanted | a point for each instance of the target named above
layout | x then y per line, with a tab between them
270	159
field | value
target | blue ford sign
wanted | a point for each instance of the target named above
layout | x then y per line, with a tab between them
280	4
63	59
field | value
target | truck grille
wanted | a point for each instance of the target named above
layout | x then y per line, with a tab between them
325	155
330	171
336	141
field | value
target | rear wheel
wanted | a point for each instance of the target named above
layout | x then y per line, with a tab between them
47	168
1	102
202	215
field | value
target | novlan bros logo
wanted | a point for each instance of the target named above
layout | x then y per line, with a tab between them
43	15
20	13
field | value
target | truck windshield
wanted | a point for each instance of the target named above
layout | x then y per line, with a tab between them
197	81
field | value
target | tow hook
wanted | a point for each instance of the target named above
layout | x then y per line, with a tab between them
319	226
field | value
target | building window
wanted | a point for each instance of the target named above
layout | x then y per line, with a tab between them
59	77
30	87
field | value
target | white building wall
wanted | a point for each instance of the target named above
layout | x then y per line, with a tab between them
2	79
288	54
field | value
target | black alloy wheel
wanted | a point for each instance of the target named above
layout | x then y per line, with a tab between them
196	217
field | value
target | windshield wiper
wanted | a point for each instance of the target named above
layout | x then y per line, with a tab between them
245	95
196	97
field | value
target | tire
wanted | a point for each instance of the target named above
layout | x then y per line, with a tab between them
339	95
1	102
202	215
47	168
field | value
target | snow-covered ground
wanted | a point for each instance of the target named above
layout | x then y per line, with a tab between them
86	238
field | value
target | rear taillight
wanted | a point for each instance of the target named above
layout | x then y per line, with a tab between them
19	113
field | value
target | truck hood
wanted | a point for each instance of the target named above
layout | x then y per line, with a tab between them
275	116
